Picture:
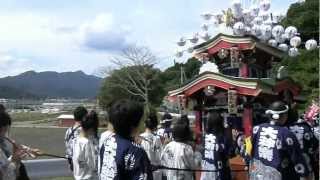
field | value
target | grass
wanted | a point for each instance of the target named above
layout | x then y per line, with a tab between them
50	140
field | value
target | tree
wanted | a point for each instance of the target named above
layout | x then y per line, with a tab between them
134	78
304	69
171	76
305	16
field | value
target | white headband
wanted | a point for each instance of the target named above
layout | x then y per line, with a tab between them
275	114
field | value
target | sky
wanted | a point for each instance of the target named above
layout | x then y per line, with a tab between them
72	35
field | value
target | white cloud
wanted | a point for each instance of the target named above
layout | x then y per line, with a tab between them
103	34
13	65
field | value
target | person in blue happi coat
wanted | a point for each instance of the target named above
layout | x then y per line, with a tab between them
217	150
308	143
276	152
120	157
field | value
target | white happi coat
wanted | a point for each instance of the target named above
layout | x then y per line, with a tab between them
85	158
178	155
152	145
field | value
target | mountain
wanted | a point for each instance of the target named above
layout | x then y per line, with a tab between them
50	85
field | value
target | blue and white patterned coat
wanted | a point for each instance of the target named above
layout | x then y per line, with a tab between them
121	158
276	154
215	157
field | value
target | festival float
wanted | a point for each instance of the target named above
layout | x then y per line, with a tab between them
236	77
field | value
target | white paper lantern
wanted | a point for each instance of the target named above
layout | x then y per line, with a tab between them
256	30
254	10
182	41
273	42
190	49
283	47
239	28
194	39
264	15
293	52
265	5
277	31
247	30
206	16
179	54
257	20
205	27
280	39
246	13
266	32
311	44
236	4
291	31
268	22
295	41
237	13
205	36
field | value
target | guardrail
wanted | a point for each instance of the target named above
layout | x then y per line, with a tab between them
46	168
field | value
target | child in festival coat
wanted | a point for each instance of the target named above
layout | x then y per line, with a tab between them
85	149
179	154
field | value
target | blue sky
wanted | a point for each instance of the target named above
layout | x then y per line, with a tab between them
71	35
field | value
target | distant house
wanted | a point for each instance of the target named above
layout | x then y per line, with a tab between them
65	120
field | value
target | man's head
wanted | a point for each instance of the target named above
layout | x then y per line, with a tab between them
79	113
278	112
125	117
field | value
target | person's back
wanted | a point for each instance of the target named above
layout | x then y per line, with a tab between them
151	143
73	132
120	157
309	144
276	153
85	149
179	154
85	156
217	150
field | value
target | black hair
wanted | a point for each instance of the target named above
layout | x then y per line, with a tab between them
152	121
79	113
215	123
2	108
91	121
181	131
293	116
125	115
5	119
185	119
277	106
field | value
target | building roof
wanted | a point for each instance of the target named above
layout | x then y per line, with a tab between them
245	86
221	41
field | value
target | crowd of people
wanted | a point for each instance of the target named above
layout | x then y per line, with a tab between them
285	147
